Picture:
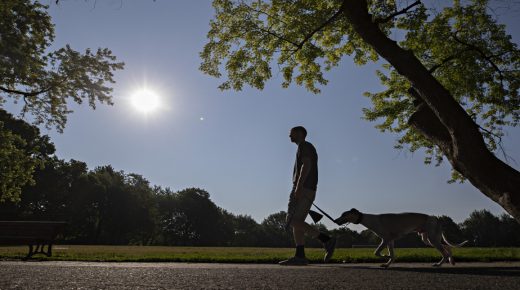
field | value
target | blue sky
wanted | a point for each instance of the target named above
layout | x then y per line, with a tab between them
240	152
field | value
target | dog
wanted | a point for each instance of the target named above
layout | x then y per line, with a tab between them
392	226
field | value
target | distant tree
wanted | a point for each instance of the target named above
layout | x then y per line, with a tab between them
110	200
226	228
369	238
125	207
189	217
274	232
174	226
51	195
509	231
44	81
482	228
141	210
87	207
247	232
452	78
346	237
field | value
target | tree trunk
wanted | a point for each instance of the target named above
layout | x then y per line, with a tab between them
440	118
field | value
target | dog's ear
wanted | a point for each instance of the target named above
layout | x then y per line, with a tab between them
354	210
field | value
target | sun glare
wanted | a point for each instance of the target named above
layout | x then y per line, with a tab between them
145	101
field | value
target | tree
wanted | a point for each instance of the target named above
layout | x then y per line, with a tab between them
44	81
120	207
274	231
16	167
190	217
509	231
452	79
247	232
482	228
51	195
22	149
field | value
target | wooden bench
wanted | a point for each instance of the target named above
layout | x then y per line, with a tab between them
35	234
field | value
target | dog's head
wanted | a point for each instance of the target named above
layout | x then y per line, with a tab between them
350	216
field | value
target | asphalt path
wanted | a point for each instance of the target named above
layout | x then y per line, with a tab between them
90	275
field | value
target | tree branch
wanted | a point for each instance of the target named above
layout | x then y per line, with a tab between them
397	13
268	30
263	12
323	25
25	94
447	59
499	143
308	36
483	55
272	33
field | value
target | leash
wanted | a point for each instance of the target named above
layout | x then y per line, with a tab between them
316	217
324	213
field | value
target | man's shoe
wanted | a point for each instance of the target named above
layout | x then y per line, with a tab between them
294	261
329	246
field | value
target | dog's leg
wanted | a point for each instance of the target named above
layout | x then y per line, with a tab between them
390	254
424	238
435	240
440	248
381	246
447	248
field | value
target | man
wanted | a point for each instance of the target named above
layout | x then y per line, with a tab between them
305	181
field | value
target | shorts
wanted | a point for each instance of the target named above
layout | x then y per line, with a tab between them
298	209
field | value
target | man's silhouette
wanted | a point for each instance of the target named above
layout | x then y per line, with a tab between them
305	181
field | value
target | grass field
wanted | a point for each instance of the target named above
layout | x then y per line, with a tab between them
249	255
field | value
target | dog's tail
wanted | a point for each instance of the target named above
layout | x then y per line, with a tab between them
452	245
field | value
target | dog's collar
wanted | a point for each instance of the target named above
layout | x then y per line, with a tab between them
358	220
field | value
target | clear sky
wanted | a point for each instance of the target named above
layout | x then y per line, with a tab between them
235	144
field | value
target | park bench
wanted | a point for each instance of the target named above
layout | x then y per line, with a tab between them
35	234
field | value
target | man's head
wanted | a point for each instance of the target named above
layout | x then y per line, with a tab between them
298	134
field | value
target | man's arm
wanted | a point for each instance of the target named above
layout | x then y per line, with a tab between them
304	172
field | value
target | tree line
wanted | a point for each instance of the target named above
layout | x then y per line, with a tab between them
107	206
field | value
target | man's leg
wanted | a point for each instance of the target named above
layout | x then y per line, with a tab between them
299	241
300	210
299	258
300	229
297	212
308	199
328	243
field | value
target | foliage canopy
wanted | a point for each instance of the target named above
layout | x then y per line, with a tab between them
462	45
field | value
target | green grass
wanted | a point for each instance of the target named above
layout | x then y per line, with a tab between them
249	255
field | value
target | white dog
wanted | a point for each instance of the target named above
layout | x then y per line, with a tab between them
390	227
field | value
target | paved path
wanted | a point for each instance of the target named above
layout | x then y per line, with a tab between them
84	275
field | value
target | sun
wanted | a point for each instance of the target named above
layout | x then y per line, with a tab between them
145	101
